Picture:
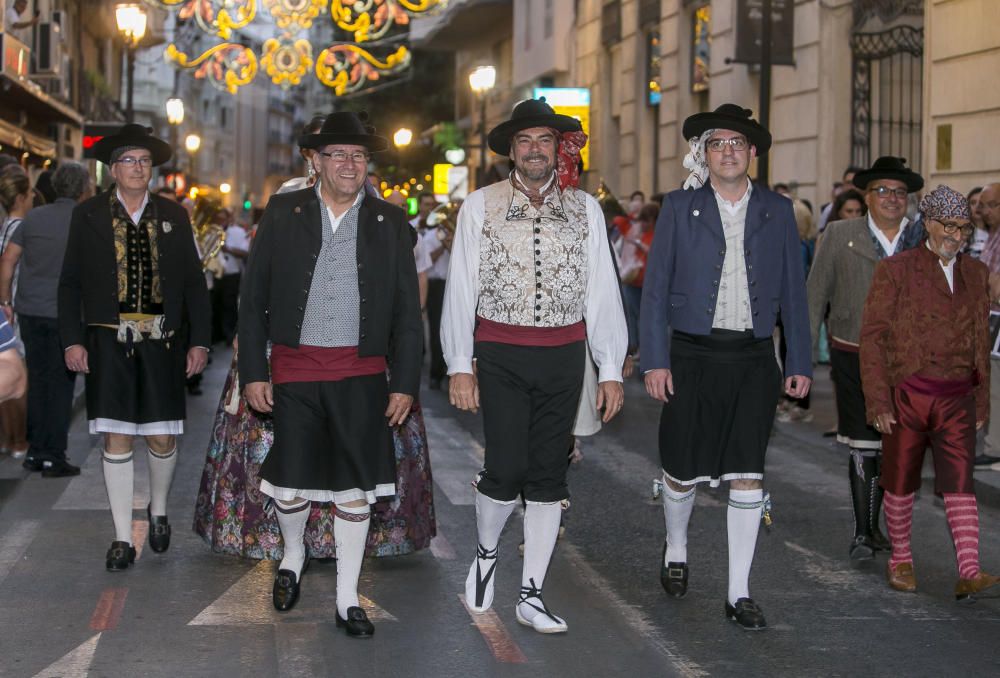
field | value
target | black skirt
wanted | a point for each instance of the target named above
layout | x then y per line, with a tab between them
852	425
332	441
717	424
138	394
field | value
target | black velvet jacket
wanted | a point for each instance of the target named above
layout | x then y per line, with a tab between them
278	276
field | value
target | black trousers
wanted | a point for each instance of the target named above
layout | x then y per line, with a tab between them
529	396
50	388
225	301
435	302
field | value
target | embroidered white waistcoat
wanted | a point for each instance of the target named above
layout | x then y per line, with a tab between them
533	262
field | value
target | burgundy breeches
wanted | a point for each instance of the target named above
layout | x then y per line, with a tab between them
946	424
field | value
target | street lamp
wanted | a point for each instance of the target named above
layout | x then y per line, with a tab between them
175	111
481	80
131	19
192	143
225	188
402	137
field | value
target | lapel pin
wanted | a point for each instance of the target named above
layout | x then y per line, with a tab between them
167	227
298	209
380	217
850	243
696	213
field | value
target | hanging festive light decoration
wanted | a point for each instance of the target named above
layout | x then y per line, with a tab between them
215	17
345	67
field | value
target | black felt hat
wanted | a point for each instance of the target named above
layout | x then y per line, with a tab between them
731	117
529	113
889	167
345	127
133	134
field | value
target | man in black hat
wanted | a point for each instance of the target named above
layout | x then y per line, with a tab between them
332	284
724	264
840	277
531	279
132	267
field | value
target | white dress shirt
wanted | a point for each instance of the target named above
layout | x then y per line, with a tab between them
607	335
889	247
137	215
335	220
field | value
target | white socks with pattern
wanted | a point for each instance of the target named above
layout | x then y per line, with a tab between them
743	524
677	508
161	475
350	530
292	518
118	477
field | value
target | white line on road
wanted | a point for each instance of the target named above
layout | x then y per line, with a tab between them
74	664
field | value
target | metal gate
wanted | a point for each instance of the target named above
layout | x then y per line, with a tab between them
887	95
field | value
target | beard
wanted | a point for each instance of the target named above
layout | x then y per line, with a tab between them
535	172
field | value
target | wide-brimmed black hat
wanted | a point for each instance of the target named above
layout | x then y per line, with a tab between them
345	127
731	117
132	134
889	167
529	113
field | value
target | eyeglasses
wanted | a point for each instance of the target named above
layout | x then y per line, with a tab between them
132	161
951	227
884	192
719	145
341	156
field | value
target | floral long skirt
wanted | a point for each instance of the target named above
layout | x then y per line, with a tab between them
233	517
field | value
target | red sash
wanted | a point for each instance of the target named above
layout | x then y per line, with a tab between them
520	335
319	363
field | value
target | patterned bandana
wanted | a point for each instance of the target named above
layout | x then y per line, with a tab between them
945	203
535	197
568	158
696	162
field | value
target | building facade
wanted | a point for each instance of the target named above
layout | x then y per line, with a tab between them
851	80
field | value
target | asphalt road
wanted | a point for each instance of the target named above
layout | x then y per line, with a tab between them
190	612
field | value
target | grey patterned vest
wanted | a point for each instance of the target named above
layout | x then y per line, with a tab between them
331	316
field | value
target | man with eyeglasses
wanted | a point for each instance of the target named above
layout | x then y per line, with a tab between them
840	277
132	267
331	283
925	370
725	262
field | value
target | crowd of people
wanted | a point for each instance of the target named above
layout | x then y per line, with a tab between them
538	298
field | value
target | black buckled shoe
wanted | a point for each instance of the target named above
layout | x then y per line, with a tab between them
119	556
159	532
673	576
59	468
286	590
747	614
356	625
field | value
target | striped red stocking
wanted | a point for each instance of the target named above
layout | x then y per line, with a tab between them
899	519
963	520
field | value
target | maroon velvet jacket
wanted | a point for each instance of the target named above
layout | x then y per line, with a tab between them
913	324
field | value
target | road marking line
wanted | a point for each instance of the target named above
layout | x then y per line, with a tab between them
109	608
14	544
75	663
441	547
639	621
495	634
140	530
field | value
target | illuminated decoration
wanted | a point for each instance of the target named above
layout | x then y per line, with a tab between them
574	102
347	68
295	15
286	62
701	48
227	66
215	17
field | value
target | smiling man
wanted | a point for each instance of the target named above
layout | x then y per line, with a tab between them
332	283
132	268
925	370
725	262
531	280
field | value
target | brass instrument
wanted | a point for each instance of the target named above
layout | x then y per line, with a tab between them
444	218
208	234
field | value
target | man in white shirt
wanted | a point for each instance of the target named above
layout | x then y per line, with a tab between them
16	25
531	280
227	288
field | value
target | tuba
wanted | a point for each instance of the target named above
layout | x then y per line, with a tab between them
208	234
444	218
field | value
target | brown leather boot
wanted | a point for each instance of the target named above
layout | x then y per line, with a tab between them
982	581
902	578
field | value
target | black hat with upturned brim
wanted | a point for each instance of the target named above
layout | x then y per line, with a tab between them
133	134
734	118
527	114
889	167
345	127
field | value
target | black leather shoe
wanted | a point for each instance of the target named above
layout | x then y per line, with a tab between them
286	590
159	532
747	614
673	576
862	548
120	556
32	464
356	624
60	468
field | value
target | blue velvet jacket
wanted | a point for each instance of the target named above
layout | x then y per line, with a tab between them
685	265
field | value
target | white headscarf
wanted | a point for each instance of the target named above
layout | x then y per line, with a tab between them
696	162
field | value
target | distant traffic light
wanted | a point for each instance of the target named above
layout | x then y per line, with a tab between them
247	205
411	206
